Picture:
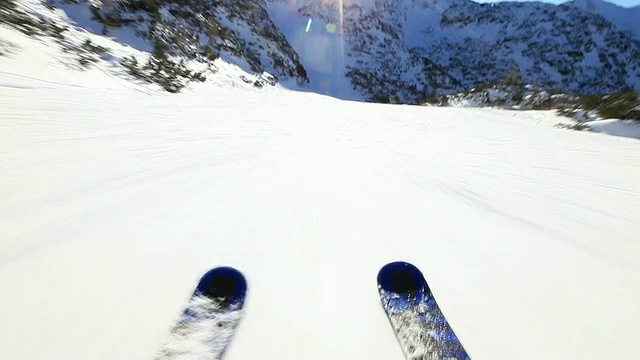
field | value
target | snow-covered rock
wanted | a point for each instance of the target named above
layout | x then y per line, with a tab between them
625	18
239	31
412	49
387	50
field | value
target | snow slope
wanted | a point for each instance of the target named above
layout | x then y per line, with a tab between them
626	18
616	127
115	199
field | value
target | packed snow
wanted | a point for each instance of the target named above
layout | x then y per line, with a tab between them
616	127
115	198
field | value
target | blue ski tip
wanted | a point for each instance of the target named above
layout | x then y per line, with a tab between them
402	278
224	283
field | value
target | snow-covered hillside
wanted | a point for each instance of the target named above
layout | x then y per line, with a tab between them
407	50
383	50
115	197
239	31
624	18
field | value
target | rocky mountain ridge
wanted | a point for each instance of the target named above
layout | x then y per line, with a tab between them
409	49
382	50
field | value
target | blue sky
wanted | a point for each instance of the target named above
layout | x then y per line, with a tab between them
625	3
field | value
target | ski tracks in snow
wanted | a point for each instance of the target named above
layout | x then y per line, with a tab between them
309	196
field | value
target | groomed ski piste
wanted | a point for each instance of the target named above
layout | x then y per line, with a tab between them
116	197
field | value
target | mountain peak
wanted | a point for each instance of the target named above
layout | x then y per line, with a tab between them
441	5
622	17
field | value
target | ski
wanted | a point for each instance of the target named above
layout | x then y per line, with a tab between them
420	327
208	322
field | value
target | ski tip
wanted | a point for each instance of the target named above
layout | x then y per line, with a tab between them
223	282
401	278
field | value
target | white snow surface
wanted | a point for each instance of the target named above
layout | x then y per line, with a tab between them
115	198
616	127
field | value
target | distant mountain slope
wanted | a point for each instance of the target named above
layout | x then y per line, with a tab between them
627	19
408	49
381	50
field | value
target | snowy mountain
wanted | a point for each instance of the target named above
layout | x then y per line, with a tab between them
239	31
382	50
408	49
624	18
